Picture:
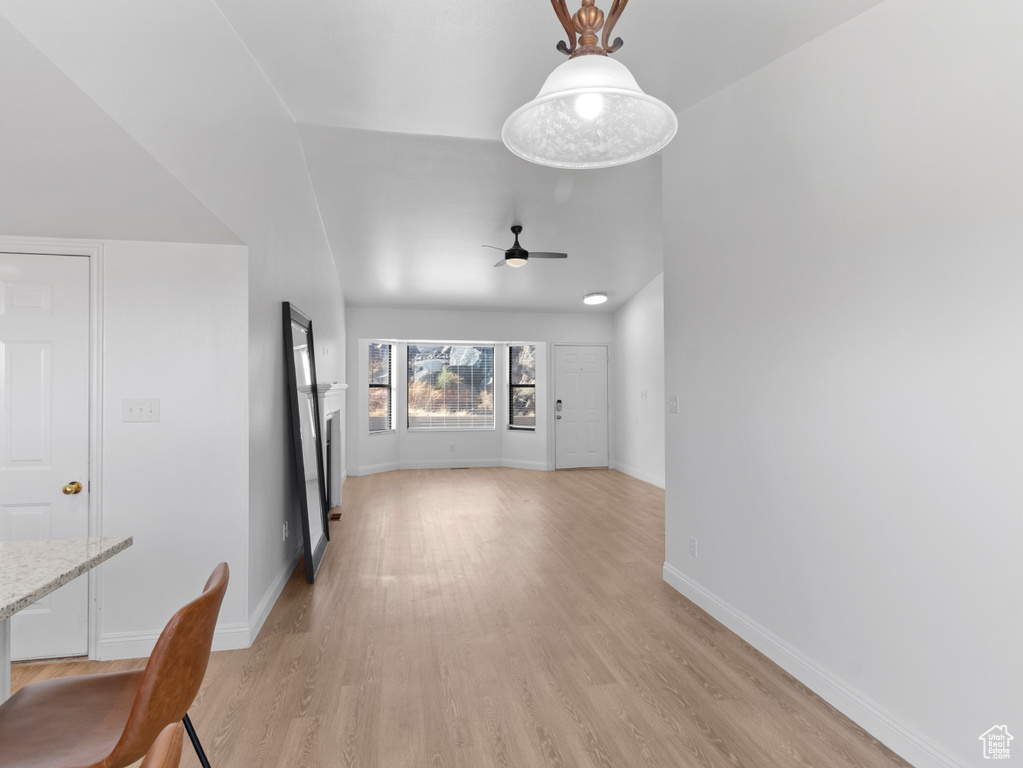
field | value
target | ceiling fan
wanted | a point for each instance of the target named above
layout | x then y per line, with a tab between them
516	256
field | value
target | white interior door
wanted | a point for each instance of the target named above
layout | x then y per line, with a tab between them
580	397
44	428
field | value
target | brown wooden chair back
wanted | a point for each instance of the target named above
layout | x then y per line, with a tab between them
174	673
166	750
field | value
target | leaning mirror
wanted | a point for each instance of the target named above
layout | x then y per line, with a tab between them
300	363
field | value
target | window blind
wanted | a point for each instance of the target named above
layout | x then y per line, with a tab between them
381	401
450	387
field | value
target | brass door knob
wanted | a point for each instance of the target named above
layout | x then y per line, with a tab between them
70	488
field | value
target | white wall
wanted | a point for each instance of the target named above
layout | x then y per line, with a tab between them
500	447
174	328
639	384
843	325
178	80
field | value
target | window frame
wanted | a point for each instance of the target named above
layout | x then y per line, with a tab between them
389	387
512	387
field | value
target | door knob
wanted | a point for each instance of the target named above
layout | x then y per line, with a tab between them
73	487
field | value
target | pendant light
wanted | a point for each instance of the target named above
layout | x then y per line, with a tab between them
590	113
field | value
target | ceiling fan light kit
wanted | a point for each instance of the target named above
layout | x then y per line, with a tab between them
517	256
590	113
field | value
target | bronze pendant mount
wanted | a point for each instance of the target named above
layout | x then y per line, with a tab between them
586	23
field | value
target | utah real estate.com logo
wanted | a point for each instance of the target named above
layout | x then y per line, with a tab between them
996	742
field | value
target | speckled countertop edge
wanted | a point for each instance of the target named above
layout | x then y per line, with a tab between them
32	569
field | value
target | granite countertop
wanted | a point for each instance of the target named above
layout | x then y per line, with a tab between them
32	569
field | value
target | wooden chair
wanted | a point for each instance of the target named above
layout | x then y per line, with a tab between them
110	720
166	750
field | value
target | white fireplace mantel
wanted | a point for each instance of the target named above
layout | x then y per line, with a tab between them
331	397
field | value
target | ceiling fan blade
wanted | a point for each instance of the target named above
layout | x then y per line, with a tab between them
494	247
500	263
547	255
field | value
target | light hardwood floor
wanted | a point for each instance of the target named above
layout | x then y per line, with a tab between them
501	617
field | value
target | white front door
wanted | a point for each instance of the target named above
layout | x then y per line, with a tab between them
580	397
44	429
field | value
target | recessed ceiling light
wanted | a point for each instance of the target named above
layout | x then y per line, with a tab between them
594	298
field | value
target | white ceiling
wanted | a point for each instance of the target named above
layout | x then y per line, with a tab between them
408	216
405	214
459	67
400	106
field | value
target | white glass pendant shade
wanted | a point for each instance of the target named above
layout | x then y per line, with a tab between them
590	113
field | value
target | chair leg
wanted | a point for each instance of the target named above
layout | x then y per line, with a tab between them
195	741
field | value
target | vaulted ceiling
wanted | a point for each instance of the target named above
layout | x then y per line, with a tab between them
459	67
399	108
407	210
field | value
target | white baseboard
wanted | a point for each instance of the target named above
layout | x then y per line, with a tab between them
232	637
226	637
138	645
640	474
873	718
374	469
449	463
517	464
259	615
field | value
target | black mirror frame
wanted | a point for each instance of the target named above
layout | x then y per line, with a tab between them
313	554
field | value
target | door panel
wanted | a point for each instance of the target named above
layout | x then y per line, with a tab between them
27	383
580	384
44	432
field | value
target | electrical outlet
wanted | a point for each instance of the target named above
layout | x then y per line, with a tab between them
673	404
692	547
285	531
452	446
140	409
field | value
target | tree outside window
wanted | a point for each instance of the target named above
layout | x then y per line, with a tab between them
522	386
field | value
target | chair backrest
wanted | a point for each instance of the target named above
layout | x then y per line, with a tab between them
174	673
166	750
